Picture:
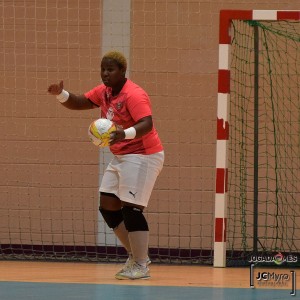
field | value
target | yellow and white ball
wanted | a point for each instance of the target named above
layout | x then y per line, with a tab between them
99	132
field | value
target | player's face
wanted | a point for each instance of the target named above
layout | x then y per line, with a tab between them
111	74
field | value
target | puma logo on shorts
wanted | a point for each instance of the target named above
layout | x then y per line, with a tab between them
133	194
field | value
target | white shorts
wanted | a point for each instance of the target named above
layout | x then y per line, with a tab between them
131	177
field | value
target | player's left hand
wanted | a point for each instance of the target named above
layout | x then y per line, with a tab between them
116	136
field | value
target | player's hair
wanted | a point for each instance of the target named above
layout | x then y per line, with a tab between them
118	57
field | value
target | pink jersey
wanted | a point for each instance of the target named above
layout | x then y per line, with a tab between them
125	109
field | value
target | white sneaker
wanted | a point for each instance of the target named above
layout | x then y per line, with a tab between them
133	271
128	264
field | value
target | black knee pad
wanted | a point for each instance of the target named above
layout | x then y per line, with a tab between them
134	219
112	217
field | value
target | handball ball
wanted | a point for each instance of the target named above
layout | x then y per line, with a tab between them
99	132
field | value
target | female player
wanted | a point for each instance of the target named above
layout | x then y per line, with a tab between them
138	157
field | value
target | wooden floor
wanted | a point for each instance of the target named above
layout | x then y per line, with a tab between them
161	275
233	280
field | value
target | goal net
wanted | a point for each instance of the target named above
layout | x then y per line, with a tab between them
263	208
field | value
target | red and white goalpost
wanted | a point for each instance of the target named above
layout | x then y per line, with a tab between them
226	17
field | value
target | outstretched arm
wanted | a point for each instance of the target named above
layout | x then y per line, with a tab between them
68	99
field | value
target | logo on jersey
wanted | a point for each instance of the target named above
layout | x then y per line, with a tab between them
110	114
119	105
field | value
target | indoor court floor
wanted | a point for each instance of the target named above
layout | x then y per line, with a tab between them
90	281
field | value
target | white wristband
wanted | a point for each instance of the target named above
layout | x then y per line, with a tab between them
63	96
130	133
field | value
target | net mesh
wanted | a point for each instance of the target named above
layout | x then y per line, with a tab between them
49	169
278	137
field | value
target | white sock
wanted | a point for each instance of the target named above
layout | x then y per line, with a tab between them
139	241
122	234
